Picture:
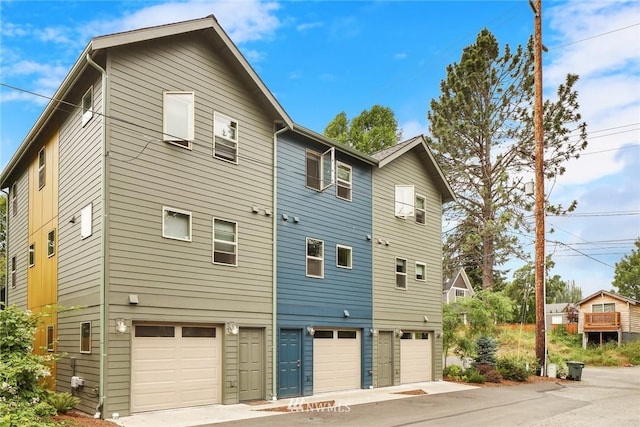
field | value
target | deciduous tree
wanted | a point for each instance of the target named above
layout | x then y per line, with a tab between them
627	274
371	131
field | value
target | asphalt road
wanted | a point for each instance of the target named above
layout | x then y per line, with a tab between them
607	397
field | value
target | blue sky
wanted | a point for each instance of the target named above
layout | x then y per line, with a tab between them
321	58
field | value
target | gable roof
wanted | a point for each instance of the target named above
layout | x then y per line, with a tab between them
209	28
301	130
611	294
556	307
460	278
419	144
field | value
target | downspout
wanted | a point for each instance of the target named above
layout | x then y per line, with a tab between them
274	275
6	251
103	239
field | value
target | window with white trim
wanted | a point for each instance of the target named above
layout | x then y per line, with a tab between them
344	256
32	255
225	242
343	181
87	106
315	258
14	282
421	271
178	118
42	168
225	132
50	337
176	224
421	209
607	307
401	273
51	243
405	199
460	292
86	221
85	337
320	169
14	199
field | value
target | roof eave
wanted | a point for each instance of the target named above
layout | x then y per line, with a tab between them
331	143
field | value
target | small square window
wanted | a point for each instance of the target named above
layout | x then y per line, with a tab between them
51	243
32	255
14	199
421	271
179	118
401	273
404	201
85	337
344	181
42	168
50	337
225	146
421	212
315	258
343	256
225	242
87	106
176	224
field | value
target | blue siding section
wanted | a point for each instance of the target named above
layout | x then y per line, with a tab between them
304	301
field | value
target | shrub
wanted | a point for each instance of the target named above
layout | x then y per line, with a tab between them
514	369
489	372
631	351
473	376
63	402
486	350
454	372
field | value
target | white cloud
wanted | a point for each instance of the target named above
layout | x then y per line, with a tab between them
412	128
400	55
309	26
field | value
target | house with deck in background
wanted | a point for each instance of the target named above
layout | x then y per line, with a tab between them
608	317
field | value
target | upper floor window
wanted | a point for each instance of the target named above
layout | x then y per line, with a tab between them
225	146
421	271
608	307
42	168
14	282
225	242
176	224
86	221
460	292
320	169
179	118
421	212
51	243
315	258
87	106
344	181
32	255
50	337
14	199
344	256
85	337
401	273
405	199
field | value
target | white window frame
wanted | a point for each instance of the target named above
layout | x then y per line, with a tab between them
350	263
225	242
169	135
340	183
421	212
314	258
188	214
31	258
400	274
87	106
460	293
404	201
326	166
42	168
86	221
602	306
14	281
50	339
221	122
82	350
424	267
51	243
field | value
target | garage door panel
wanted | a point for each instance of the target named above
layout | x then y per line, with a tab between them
174	372
336	363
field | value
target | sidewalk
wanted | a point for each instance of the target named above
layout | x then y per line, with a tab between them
190	417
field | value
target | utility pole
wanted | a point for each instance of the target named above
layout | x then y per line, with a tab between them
539	183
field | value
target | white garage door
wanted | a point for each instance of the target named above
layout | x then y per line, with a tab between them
174	367
336	360
415	357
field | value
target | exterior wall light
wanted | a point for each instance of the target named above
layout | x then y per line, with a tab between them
232	328
311	331
121	326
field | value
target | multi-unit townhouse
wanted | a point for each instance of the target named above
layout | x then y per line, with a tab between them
324	267
204	247
143	198
408	193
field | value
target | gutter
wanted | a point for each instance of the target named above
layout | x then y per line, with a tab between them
274	275
103	239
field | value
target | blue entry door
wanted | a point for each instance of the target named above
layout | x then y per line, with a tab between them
289	363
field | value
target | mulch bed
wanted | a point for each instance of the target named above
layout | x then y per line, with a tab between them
418	392
506	383
80	419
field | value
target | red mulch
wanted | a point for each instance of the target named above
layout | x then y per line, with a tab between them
506	383
80	419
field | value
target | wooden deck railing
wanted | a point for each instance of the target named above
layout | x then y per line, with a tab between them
601	321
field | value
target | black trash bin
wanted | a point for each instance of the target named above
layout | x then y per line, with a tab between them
575	370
